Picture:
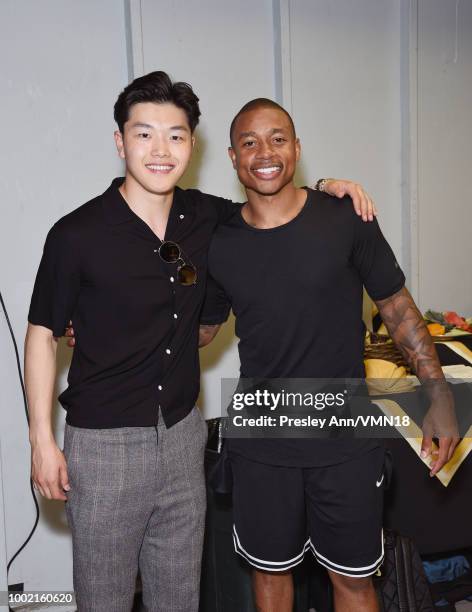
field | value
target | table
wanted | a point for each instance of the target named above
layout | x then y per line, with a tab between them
436	517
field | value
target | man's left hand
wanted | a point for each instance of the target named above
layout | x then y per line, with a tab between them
363	203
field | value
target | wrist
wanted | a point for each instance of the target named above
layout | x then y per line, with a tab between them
322	183
437	390
40	435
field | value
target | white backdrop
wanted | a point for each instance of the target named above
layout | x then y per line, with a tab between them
444	125
63	63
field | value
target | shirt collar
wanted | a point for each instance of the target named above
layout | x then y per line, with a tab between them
114	205
117	210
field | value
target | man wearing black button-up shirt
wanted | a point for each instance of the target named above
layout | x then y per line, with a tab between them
129	268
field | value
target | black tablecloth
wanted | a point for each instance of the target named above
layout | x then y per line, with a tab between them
450	357
438	518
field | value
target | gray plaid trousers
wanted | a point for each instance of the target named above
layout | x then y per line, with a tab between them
137	500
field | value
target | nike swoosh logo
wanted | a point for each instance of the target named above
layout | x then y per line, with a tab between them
379	482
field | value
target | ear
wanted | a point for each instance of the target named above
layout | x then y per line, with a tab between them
119	144
193	141
298	149
232	156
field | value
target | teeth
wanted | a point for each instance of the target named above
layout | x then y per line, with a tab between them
267	170
156	167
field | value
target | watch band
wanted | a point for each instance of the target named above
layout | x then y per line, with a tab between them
321	184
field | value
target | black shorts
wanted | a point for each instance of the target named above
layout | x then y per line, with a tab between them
336	511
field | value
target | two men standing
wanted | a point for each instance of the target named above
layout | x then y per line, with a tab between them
129	269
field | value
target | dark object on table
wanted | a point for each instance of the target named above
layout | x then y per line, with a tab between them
449	357
402	585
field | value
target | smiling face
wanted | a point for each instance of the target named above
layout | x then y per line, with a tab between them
264	150
156	145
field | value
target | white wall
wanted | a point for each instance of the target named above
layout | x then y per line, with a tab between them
63	64
445	155
345	59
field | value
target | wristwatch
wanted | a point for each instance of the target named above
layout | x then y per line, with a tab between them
321	184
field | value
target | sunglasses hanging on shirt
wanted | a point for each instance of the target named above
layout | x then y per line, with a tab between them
170	252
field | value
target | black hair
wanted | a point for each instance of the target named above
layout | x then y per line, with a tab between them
157	87
259	103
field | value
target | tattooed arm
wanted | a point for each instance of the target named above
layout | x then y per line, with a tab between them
207	333
410	334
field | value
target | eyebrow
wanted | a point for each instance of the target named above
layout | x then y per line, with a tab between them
272	132
143	125
148	126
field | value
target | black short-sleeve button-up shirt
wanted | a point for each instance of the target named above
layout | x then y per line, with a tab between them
136	327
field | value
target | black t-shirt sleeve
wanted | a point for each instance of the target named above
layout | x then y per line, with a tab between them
375	261
57	284
216	306
224	208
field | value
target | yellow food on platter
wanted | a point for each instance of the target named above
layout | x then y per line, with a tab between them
436	329
379	368
384	377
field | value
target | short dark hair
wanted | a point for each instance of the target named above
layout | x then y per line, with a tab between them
253	105
157	87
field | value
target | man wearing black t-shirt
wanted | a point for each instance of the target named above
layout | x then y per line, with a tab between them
129	268
292	263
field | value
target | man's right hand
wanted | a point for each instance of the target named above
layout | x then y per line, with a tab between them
440	422
49	470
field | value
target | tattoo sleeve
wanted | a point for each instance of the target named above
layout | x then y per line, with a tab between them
410	334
